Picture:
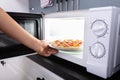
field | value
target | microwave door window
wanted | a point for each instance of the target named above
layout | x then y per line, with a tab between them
29	26
65	28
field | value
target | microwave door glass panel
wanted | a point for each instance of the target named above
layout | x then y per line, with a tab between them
29	26
65	28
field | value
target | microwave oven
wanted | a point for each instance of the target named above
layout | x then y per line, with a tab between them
98	29
9	47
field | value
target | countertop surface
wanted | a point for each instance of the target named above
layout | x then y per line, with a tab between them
67	70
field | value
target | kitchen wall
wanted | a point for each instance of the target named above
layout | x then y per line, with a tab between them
35	6
82	4
15	5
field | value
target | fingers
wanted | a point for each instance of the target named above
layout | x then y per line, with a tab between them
53	50
45	49
48	51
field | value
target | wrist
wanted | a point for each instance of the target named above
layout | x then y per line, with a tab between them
38	46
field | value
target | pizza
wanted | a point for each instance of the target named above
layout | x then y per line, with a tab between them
67	44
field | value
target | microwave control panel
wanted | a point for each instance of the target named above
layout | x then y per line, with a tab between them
101	29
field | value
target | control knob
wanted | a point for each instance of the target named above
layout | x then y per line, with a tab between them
99	28
97	50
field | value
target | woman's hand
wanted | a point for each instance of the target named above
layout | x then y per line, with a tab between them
45	50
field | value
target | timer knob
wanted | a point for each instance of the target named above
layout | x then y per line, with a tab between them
97	50
99	28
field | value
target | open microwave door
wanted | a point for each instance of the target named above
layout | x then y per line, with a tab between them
10	47
63	27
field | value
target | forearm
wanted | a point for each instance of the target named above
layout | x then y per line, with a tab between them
13	29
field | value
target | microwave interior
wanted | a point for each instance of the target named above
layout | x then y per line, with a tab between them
66	26
9	47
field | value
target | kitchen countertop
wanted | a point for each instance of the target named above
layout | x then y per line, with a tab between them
66	69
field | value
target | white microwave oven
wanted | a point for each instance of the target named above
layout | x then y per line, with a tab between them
99	30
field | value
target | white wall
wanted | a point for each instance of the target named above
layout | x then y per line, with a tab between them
15	5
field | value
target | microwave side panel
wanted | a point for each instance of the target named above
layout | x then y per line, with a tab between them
113	60
65	15
116	65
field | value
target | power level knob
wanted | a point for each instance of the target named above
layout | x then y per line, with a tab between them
97	50
99	28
